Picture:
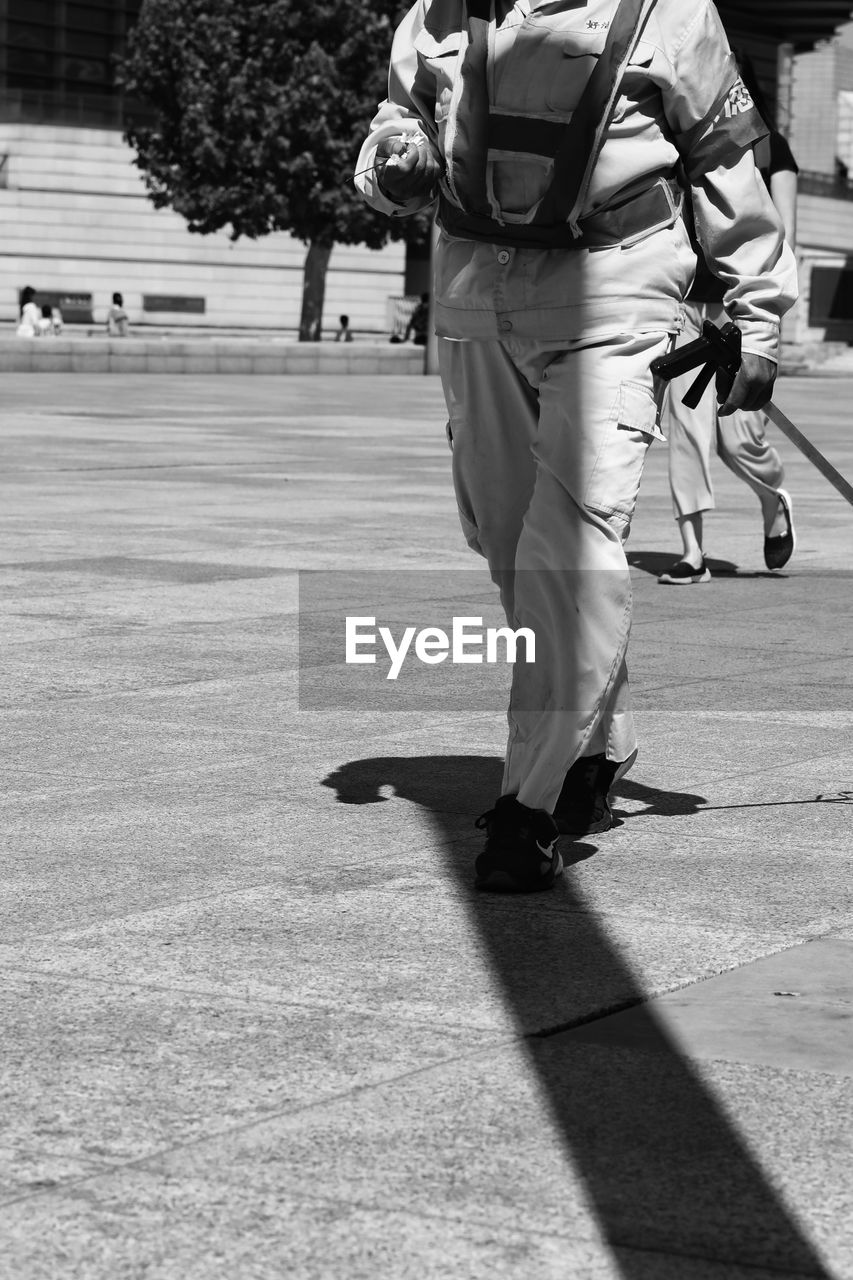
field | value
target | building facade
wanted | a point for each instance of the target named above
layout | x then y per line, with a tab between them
77	224
821	137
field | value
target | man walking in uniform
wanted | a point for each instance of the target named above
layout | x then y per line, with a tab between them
557	138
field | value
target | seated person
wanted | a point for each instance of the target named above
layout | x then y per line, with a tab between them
117	318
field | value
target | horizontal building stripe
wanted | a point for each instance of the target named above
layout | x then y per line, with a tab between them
152	260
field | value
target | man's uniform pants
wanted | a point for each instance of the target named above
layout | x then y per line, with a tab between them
739	437
549	442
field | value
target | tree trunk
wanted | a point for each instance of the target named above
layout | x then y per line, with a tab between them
314	291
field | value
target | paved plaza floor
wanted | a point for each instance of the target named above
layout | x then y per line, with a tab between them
256	1023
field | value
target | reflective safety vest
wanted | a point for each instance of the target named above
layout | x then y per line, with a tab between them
573	145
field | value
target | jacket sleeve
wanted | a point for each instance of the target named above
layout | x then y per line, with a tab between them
716	124
407	112
743	239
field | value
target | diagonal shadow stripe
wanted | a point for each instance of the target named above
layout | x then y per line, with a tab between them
664	1168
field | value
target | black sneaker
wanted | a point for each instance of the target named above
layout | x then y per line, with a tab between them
683	573
521	849
583	807
778	551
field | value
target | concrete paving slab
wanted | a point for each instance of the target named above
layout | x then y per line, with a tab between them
292	869
100	1075
790	1010
819	683
122	850
802	789
90	743
686	1183
125	660
784	601
770	1147
711	883
782	720
170	1227
235	711
296	940
740	744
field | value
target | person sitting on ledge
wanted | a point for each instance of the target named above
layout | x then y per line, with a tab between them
344	333
117	323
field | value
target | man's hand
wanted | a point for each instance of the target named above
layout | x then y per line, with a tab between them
753	386
405	170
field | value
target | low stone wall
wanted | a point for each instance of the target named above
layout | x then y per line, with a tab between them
79	354
205	355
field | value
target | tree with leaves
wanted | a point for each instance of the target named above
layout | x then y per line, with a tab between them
248	115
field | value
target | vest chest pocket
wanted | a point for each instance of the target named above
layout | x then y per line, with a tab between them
571	60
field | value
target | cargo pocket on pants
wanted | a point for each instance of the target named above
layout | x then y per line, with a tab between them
615	478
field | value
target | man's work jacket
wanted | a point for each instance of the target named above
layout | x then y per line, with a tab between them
492	89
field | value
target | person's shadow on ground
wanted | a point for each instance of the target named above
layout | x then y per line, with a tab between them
664	1169
669	804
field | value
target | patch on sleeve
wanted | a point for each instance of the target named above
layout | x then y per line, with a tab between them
738	101
734	125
